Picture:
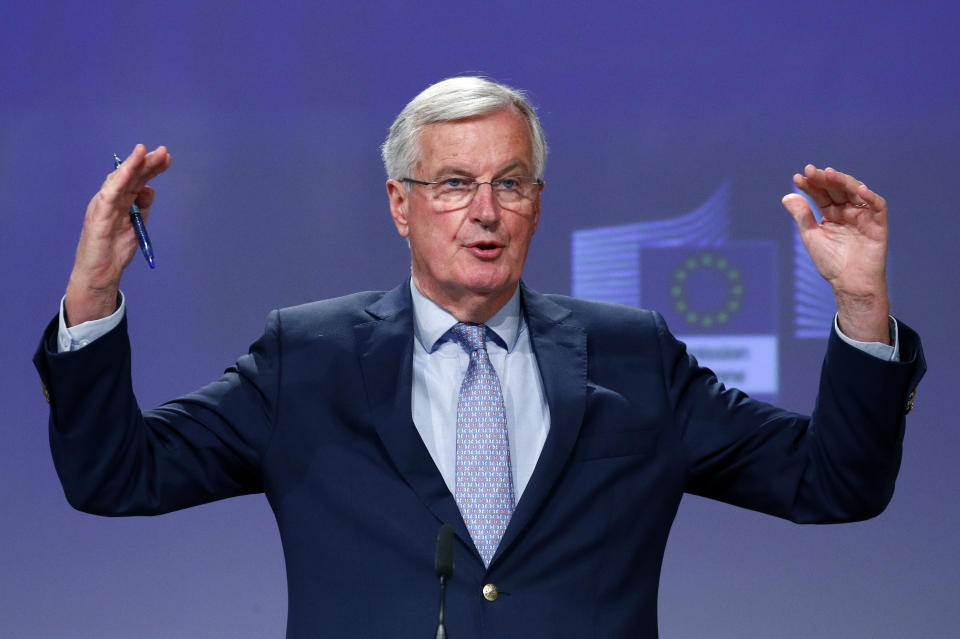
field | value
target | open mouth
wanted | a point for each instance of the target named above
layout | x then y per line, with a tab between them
486	250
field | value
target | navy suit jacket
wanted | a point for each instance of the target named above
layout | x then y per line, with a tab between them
317	416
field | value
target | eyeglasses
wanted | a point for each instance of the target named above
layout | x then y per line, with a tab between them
453	192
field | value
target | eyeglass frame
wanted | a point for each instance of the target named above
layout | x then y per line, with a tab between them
476	184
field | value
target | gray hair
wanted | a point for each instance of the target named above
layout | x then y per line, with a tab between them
449	100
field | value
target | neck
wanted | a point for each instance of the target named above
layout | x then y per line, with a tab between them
474	308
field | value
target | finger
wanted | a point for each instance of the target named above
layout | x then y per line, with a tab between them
835	186
154	163
818	194
819	178
120	181
122	173
844	187
872	200
145	198
799	208
123	185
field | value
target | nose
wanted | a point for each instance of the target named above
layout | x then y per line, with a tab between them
484	209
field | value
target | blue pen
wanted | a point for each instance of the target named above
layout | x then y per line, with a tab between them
142	238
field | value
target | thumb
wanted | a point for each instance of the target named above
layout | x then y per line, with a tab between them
799	208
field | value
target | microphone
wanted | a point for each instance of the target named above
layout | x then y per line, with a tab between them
443	566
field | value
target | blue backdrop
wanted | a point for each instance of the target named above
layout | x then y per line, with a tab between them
274	113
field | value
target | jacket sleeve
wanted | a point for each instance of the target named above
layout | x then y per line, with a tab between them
839	464
114	459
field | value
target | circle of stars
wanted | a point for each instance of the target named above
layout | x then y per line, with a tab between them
704	319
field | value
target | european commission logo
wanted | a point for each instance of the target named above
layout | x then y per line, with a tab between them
716	290
717	295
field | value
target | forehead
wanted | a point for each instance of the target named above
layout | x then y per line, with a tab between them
480	144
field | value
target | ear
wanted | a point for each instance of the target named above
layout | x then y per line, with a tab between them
399	200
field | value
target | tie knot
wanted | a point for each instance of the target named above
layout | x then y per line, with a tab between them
472	336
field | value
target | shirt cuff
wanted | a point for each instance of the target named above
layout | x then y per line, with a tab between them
74	338
886	352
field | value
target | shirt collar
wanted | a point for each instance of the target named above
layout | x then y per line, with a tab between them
431	322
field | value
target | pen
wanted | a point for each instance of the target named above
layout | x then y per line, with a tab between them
142	238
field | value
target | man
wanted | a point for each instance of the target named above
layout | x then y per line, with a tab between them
555	436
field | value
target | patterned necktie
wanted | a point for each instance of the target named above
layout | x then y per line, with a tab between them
484	475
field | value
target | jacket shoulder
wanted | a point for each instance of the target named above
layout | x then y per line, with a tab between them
607	318
324	316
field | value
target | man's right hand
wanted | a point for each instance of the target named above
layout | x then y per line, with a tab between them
107	241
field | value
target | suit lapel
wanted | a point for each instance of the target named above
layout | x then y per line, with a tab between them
385	345
561	352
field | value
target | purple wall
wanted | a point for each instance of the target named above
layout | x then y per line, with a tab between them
276	196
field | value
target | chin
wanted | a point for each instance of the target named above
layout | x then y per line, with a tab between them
487	283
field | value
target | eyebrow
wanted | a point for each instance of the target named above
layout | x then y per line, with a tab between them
457	170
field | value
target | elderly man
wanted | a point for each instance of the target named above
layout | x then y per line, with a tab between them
555	436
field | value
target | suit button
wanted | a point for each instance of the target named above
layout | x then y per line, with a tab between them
490	592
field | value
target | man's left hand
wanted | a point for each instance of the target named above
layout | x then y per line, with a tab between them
848	247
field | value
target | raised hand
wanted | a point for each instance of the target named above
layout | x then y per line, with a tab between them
848	247
107	241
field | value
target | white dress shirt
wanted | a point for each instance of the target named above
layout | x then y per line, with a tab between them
439	366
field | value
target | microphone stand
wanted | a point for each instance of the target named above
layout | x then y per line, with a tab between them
443	566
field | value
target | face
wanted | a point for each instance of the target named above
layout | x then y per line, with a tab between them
469	258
